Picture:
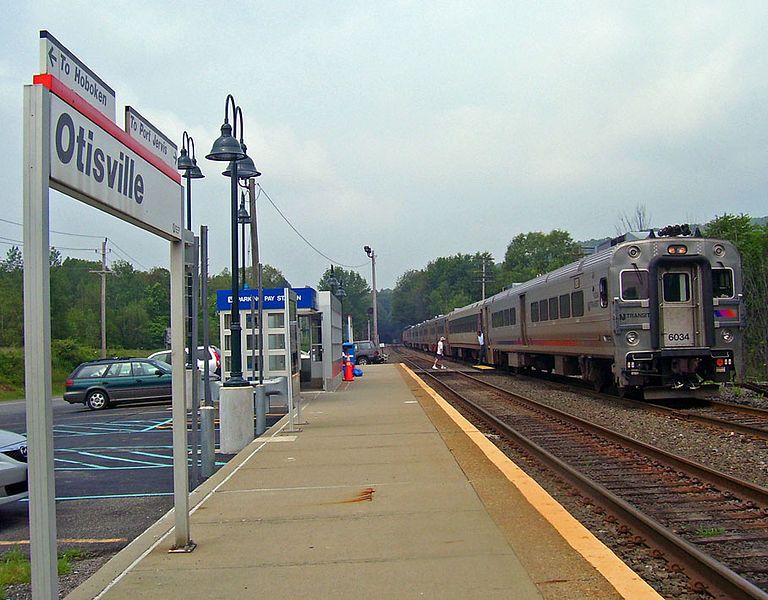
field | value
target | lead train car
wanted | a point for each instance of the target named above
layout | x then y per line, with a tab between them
657	315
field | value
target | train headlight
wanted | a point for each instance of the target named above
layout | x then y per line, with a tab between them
727	335
632	338
719	250
633	251
677	249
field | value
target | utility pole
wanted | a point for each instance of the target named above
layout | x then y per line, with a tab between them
372	255
103	273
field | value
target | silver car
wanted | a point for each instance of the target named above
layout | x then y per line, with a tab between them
213	355
13	467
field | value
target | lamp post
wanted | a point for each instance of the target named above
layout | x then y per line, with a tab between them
372	255
243	218
337	289
187	163
227	148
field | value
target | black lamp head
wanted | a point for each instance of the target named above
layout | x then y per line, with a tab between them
226	147
195	172
184	162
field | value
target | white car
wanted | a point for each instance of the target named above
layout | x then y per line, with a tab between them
13	467
214	359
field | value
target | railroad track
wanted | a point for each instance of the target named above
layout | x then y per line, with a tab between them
743	419
760	388
710	524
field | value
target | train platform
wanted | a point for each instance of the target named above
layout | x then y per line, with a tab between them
384	491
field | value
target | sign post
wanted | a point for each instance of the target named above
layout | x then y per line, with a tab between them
71	143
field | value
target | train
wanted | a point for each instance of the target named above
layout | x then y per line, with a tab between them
655	314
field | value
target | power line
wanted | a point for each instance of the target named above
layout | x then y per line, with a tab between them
124	253
83	235
336	262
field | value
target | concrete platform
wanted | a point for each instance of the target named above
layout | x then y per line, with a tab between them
385	492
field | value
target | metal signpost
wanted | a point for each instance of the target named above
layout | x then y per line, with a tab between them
72	144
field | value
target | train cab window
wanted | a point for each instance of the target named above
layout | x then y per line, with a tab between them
553	308
565	306
634	285
506	318
512	316
577	303
722	283
543	310
677	287
603	292
534	312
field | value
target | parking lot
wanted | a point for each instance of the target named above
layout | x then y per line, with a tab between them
113	470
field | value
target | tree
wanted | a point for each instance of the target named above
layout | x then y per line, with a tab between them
531	254
638	220
357	299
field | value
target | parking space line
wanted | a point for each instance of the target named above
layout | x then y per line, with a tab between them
88	466
159	425
118	458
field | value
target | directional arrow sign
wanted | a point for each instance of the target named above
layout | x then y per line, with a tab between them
56	60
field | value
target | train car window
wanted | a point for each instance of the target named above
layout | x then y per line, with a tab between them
543	310
534	312
577	303
676	287
506	318
553	312
512	316
565	306
603	292
634	284
722	283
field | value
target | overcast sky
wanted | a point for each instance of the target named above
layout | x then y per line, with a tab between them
421	129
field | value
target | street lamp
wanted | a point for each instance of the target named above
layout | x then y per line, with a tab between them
227	149
372	255
187	163
337	289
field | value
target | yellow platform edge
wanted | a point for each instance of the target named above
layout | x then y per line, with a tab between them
623	579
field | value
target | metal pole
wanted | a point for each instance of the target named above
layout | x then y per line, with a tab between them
192	344
375	311
256	261
179	402
235	330
195	366
37	342
207	427
104	298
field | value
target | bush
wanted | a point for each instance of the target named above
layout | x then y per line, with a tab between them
12	367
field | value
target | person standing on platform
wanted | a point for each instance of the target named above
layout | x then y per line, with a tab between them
440	351
481	342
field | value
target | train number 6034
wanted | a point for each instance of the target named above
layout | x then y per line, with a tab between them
678	337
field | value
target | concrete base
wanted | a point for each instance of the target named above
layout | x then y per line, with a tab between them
236	418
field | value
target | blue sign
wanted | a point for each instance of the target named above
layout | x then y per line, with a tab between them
273	298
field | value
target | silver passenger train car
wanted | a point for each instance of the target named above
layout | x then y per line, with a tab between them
659	315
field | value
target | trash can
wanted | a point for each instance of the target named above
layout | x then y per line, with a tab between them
350	349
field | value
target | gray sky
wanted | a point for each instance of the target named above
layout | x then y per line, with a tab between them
421	129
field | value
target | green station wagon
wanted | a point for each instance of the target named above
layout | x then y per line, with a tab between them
100	383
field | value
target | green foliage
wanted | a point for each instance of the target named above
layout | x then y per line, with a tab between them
356	301
532	254
710	531
445	284
751	239
15	566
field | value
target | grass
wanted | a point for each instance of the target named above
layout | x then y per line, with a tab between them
710	531
15	568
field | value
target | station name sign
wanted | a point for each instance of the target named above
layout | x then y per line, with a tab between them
56	60
99	168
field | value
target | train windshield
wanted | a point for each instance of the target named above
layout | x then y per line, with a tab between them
722	283
676	287
634	284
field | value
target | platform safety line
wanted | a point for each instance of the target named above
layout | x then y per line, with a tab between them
624	580
161	537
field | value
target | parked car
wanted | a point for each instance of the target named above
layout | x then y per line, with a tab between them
367	353
213	355
100	383
13	467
